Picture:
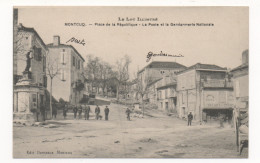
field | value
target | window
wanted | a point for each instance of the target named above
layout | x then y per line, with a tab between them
78	64
73	61
37	54
34	97
166	105
44	64
166	93
182	98
160	94
63	57
162	71
45	79
63	75
34	101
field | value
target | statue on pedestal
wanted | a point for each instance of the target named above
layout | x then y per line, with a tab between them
27	73
28	61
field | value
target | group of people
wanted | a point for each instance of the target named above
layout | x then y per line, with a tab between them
78	110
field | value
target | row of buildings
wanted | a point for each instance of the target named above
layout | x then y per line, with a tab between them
206	90
40	68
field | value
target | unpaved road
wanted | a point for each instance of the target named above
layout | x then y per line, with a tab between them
157	136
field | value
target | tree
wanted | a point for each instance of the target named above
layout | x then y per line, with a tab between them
122	72
142	88
105	74
91	71
99	74
52	70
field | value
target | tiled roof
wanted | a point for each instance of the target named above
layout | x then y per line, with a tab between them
65	46
163	64
200	66
22	28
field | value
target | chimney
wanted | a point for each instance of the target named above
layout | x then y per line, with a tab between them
56	40
245	57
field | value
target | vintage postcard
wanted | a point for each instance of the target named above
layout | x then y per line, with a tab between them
130	82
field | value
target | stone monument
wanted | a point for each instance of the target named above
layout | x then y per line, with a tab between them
26	97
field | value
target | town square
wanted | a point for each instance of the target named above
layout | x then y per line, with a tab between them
175	88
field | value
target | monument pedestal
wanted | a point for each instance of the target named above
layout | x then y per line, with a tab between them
27	99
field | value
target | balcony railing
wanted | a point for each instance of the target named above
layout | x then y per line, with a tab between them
217	84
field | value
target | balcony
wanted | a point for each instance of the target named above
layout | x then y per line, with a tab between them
217	84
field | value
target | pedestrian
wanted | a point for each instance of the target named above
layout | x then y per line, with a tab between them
87	112
75	110
221	120
54	112
106	113
65	111
128	111
84	110
80	111
97	111
190	118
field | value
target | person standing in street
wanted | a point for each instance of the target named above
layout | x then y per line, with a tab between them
87	112
75	110
80	111
106	113
97	111
84	109
65	111
54	112
128	111
190	118
221	120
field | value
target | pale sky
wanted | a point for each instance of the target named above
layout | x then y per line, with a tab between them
221	44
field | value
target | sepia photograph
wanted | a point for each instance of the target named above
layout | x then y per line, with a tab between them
130	82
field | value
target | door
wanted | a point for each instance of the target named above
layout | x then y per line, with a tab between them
183	112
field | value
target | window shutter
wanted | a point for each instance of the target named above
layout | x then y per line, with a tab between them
39	54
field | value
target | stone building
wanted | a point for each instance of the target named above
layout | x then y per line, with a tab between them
166	94
28	39
204	90
155	71
69	83
29	73
152	95
241	82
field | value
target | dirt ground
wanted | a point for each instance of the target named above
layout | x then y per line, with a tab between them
154	136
